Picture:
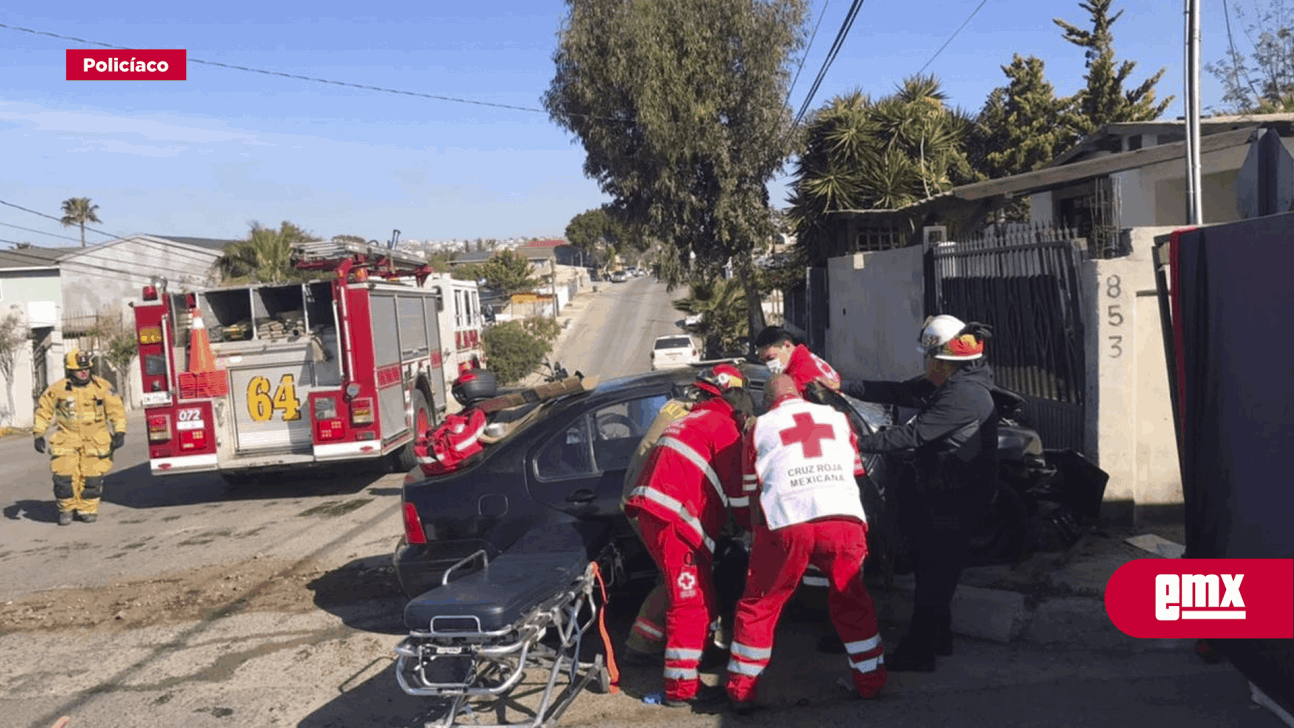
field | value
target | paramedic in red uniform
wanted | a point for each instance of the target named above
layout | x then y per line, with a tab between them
779	352
459	436
805	509
680	501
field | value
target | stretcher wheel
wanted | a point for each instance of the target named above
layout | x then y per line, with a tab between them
601	682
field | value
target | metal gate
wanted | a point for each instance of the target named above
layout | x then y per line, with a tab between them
1023	283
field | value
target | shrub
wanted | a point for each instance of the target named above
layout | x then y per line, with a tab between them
513	351
543	327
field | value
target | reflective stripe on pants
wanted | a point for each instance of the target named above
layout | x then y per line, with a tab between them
690	590
778	560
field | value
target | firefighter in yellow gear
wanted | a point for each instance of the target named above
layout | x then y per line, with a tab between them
91	425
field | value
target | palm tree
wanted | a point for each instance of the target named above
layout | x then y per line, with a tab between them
884	154
265	256
79	211
723	310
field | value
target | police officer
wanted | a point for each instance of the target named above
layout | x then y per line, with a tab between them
91	425
954	437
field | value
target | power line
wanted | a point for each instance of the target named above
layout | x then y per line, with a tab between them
58	220
41	232
808	48
831	57
954	35
313	79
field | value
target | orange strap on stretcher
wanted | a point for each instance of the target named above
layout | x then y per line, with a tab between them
612	669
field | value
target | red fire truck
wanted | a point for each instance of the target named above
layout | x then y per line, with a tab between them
353	367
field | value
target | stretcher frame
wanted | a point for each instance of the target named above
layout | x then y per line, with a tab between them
492	663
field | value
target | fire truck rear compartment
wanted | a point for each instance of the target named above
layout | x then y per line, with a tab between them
278	343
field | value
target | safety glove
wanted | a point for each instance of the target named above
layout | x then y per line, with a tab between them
118	439
40	444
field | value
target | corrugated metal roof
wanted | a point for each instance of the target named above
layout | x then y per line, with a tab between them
33	257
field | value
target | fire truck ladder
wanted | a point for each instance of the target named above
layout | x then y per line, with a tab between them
345	257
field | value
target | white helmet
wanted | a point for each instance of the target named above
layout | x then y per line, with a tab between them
945	337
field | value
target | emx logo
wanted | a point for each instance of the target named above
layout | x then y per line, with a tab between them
1194	598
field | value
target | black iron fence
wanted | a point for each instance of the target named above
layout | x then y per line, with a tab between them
1024	283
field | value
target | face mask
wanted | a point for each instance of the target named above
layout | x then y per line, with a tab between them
775	366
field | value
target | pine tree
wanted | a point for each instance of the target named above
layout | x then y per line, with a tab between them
1103	100
1022	126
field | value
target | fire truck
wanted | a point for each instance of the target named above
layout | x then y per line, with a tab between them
252	379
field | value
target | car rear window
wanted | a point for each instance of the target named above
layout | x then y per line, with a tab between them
674	342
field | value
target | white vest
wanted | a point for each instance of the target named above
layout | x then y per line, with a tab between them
805	462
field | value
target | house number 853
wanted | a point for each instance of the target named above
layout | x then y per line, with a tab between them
1113	315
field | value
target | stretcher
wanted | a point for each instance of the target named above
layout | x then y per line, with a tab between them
473	639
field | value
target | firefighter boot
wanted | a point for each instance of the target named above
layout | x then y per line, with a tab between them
944	633
916	652
66	498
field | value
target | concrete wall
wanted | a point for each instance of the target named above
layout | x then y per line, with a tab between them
877	306
27	287
37	295
1129	429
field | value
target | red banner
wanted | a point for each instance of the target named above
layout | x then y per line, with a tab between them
1203	598
127	65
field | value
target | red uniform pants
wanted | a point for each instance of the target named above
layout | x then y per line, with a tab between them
777	562
688	578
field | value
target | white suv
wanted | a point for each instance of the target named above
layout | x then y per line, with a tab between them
673	351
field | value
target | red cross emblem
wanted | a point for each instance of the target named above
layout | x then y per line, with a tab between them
808	433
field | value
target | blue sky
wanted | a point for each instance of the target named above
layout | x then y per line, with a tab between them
206	156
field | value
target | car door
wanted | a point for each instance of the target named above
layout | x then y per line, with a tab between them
580	468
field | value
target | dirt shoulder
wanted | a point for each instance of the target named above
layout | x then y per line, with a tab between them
254	585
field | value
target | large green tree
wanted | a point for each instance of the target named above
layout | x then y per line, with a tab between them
865	154
510	272
265	256
1104	100
77	211
681	106
596	233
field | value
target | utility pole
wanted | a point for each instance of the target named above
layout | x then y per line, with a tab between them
552	265
1194	203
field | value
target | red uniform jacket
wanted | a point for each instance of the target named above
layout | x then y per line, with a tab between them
692	473
446	447
805	367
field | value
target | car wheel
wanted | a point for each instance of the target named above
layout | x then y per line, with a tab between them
404	460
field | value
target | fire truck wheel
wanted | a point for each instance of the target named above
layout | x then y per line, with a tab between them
403	460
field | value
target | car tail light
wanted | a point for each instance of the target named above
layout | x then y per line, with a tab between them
361	411
694	352
413	532
192	440
159	428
